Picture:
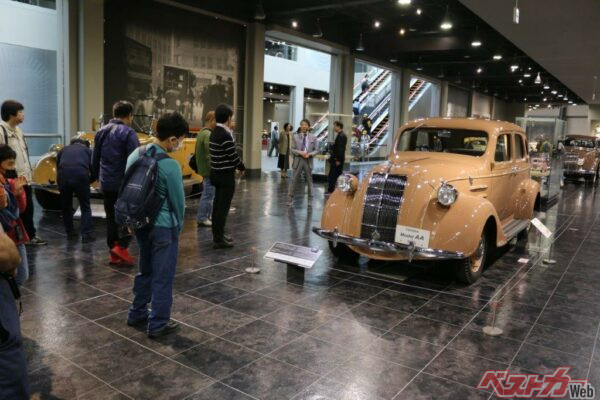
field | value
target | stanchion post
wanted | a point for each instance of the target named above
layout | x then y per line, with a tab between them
493	330
253	269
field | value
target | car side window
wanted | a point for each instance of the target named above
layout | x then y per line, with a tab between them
503	148
519	148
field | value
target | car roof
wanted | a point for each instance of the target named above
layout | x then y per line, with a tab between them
586	137
478	124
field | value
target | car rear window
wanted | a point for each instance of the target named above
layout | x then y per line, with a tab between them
589	143
442	140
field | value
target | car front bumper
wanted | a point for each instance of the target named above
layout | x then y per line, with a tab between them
578	172
408	251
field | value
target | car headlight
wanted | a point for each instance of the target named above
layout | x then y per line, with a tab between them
447	194
580	161
347	183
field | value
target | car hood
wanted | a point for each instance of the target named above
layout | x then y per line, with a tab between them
579	151
433	168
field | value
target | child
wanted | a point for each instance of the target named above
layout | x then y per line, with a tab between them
74	177
158	242
17	202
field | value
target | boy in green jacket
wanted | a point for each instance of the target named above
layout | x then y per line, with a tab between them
159	242
203	163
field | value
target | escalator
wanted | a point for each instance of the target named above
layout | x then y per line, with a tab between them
379	129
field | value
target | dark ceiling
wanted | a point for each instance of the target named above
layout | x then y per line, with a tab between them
424	47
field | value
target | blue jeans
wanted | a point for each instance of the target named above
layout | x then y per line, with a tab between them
13	365
206	200
23	270
154	281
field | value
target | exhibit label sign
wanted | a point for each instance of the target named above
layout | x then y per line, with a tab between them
541	227
301	256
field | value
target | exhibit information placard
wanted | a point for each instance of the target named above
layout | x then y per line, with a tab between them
301	256
541	227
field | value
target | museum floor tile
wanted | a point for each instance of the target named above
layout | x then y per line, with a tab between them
370	330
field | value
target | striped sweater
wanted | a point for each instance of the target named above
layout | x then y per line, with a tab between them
223	157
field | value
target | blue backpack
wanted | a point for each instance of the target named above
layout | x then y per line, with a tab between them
139	202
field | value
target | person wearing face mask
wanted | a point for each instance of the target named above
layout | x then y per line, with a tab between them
303	148
158	242
13	115
13	187
112	145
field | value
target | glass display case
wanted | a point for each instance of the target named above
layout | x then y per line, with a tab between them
543	135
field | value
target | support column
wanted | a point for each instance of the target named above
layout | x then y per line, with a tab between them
253	97
341	89
297	105
91	62
444	99
396	104
404	92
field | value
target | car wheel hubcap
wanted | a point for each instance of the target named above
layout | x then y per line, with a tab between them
477	257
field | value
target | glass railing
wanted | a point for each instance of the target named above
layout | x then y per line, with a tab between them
39	3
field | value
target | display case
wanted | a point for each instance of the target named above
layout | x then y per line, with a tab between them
543	135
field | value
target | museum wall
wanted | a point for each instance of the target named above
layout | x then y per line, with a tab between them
165	59
481	105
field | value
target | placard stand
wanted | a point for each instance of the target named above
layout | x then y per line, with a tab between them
292	254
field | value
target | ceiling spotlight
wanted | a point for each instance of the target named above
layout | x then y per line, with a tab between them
545	99
294	24
323	98
554	92
570	101
419	68
497	57
560	95
514	67
538	79
270	87
259	14
446	23
419	11
377	24
393	60
546	86
360	46
520	80
524	98
402	31
479	70
526	75
404	2
318	31
476	41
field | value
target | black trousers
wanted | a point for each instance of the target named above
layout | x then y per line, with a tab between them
224	183
27	216
80	187
334	172
114	232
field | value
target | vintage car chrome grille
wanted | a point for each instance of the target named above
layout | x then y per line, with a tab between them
382	204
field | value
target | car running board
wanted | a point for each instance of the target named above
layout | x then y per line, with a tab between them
515	226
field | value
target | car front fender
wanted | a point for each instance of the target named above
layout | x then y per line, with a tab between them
525	198
458	228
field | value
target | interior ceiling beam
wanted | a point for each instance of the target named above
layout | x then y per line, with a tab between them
324	7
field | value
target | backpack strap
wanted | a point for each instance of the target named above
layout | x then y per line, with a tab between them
5	136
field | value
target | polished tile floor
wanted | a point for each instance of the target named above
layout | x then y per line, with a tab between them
372	330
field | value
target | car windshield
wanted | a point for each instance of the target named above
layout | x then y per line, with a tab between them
589	143
442	140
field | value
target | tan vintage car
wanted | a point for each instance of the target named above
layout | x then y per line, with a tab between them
582	158
45	174
437	197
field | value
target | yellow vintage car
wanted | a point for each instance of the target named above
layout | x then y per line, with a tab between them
44	174
437	197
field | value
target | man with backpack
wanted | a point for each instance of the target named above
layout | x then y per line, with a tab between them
112	145
151	202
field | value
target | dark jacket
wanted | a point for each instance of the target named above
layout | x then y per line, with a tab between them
74	162
112	145
338	150
223	157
